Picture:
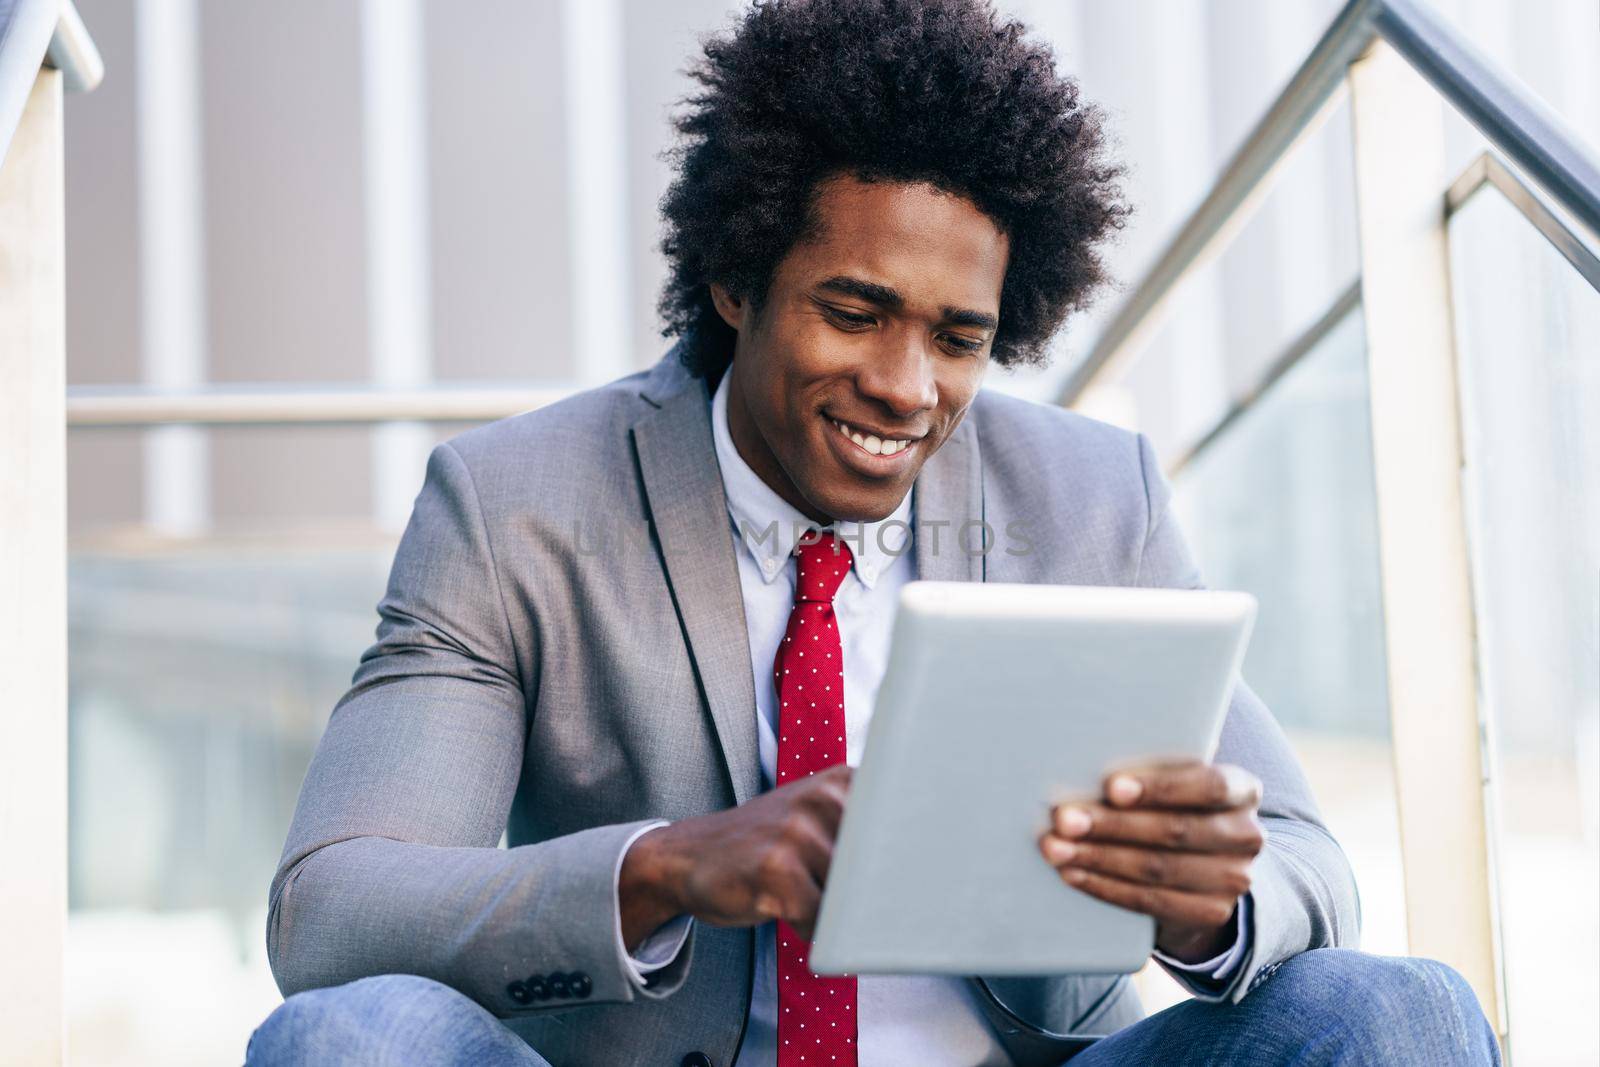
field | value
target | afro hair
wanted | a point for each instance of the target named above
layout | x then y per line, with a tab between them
937	91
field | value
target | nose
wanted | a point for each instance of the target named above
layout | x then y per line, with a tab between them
900	376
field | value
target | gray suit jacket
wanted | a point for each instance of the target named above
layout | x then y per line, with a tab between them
562	655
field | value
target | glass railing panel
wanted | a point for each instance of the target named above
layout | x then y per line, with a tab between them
200	679
1235	313
1282	504
242	478
1528	344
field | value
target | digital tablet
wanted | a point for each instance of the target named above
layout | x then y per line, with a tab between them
999	702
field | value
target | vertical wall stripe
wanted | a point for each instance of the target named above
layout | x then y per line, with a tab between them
172	256
399	327
597	174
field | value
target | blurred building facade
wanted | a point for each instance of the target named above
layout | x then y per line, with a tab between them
398	193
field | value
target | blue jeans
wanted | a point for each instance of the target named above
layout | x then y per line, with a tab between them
1328	1006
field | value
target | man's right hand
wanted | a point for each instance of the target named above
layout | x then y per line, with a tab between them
766	859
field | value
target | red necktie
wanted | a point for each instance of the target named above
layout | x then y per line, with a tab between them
816	1016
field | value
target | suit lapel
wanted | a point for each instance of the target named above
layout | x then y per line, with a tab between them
678	464
948	496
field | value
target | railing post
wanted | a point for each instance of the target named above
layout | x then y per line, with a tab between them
1440	771
33	584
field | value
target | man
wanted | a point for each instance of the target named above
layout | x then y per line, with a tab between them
587	639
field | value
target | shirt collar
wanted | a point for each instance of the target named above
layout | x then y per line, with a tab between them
769	526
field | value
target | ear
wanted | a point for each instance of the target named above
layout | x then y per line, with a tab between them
730	307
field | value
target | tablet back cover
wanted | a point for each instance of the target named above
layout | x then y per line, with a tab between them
998	703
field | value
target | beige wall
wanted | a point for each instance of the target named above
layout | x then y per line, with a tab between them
283	201
33	627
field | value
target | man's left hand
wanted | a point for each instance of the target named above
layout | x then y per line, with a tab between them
1175	842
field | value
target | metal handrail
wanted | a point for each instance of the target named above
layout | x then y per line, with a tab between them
36	33
1488	171
72	51
120	407
1286	360
1509	116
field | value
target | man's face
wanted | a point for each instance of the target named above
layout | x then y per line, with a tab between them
869	348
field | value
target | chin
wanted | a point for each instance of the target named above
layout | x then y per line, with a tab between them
858	504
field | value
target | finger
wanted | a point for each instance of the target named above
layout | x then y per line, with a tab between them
1238	831
1201	786
825	800
1166	905
788	933
812	845
787	891
1193	872
801	907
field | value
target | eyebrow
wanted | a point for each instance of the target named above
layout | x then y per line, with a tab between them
887	297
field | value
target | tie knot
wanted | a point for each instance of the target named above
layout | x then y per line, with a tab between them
822	565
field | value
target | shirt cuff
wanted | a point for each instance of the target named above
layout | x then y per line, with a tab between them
1220	967
662	946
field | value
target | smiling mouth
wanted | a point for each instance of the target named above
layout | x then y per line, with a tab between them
871	443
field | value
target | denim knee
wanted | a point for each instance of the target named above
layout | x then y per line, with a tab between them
1417	1010
382	1020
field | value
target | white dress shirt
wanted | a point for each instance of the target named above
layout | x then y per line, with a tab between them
928	1021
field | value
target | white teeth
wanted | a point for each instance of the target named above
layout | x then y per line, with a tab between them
876	445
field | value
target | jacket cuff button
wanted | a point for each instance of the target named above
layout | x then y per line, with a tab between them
518	992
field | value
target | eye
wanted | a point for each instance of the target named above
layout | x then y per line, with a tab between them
847	320
960	343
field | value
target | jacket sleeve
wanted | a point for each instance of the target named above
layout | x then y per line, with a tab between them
392	862
1303	894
